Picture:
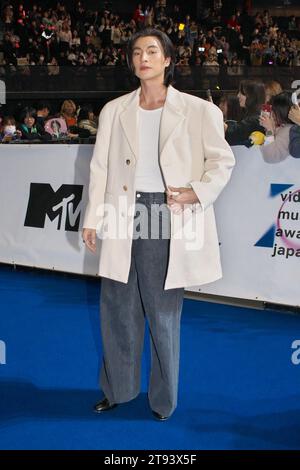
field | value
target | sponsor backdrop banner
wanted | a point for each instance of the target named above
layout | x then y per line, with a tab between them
258	217
44	191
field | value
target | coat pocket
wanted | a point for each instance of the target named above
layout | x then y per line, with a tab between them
188	226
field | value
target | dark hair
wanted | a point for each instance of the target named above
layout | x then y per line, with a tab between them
255	95
281	105
43	105
27	112
8	119
233	108
167	47
84	112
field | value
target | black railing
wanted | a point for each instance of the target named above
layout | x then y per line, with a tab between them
86	80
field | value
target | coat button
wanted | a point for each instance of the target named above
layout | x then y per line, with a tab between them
125	187
128	162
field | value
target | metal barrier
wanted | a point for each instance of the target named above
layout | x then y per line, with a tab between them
87	80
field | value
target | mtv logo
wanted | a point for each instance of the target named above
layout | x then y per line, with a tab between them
62	206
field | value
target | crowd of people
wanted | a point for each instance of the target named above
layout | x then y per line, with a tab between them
57	36
265	115
38	124
259	114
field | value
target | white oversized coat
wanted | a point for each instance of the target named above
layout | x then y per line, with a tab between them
192	152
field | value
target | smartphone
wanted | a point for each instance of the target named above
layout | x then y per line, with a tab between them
266	110
201	49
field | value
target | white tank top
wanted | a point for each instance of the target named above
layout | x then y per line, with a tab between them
148	176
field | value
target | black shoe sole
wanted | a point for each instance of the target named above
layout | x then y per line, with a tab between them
105	409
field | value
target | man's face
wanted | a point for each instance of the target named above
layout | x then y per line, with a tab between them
148	58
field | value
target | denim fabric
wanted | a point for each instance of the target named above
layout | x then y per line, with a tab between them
124	307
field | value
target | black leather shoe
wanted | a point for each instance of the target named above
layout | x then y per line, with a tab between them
159	416
104	405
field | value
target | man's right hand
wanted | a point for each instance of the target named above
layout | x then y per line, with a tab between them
89	238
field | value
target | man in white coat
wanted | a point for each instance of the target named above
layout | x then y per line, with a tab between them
159	163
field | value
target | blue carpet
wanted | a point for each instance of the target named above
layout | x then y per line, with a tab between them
238	386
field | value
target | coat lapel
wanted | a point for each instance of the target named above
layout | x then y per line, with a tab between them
129	120
172	115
